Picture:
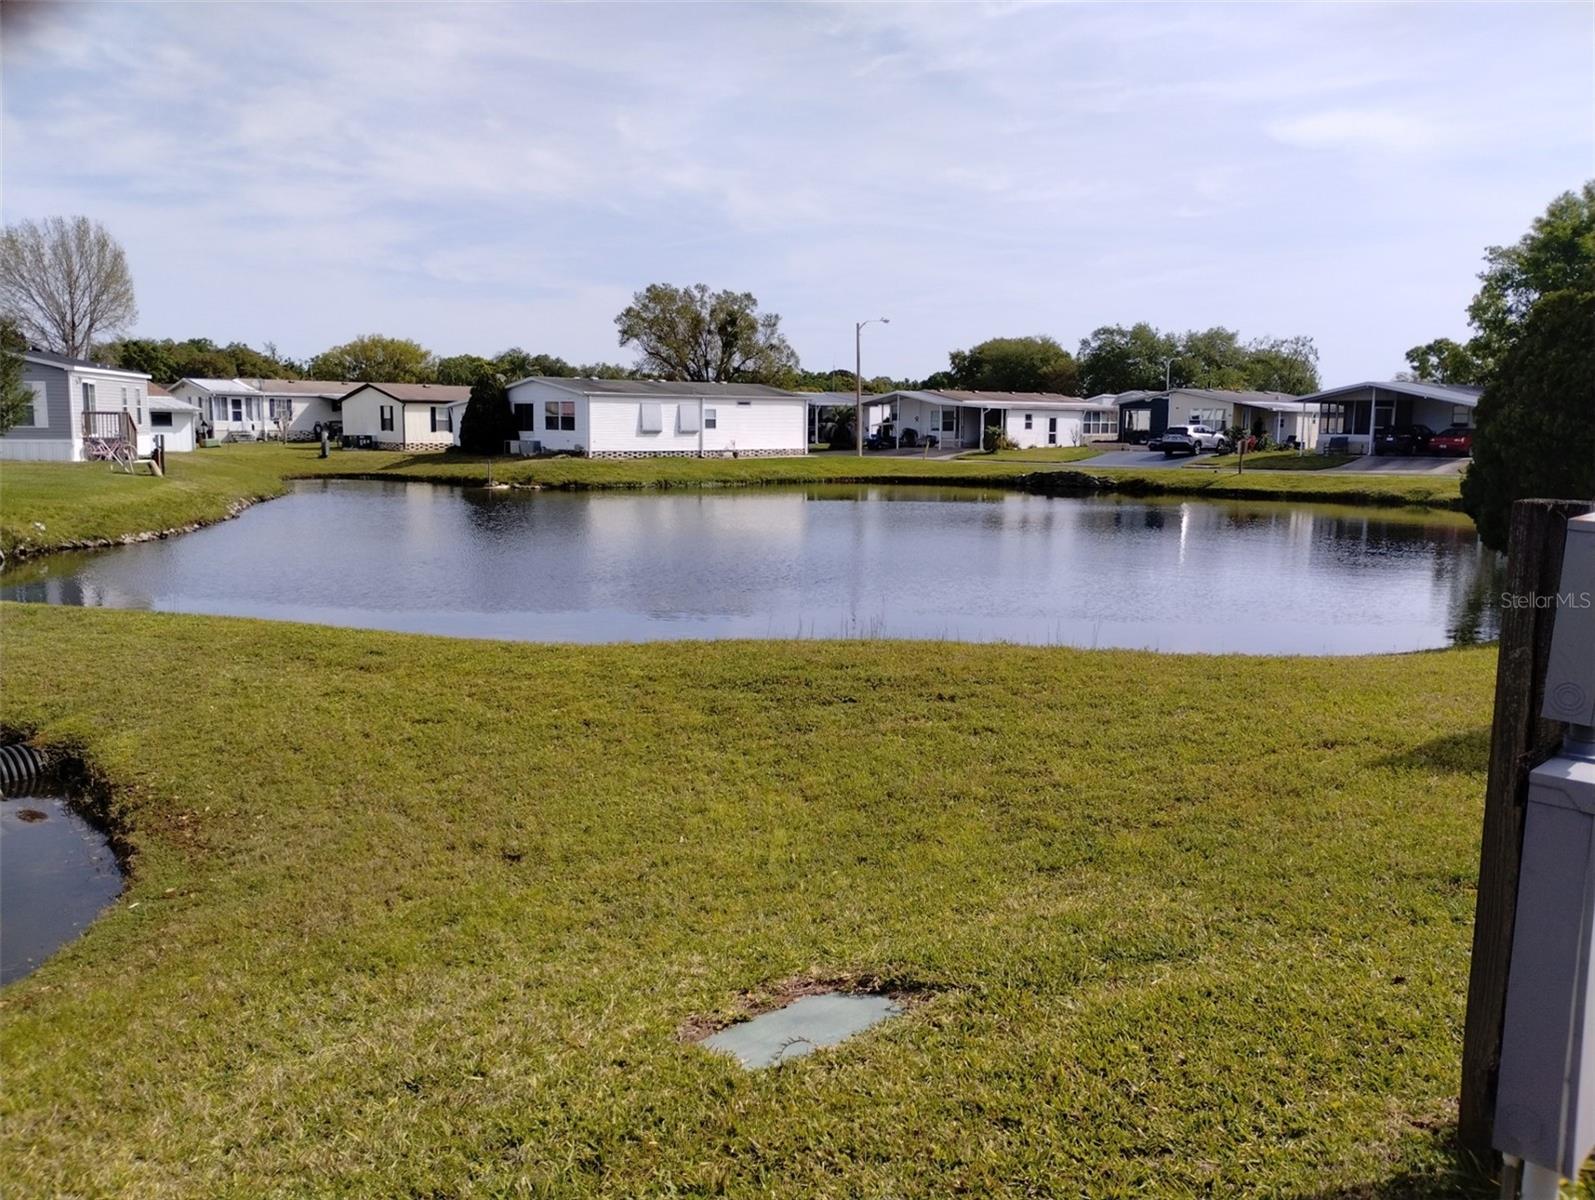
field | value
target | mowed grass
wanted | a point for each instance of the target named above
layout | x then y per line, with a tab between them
417	916
1279	460
1035	454
51	506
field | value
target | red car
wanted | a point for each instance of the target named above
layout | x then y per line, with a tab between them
1456	440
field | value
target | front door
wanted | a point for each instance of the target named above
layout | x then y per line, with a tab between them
1052	431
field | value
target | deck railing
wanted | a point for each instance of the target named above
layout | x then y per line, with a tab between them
113	425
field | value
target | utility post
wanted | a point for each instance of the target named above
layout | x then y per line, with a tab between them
858	378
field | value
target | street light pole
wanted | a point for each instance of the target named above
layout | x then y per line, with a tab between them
858	378
1167	363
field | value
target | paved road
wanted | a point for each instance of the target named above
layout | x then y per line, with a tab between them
1136	458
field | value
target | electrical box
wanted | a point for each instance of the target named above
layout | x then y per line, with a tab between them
1545	1093
1570	676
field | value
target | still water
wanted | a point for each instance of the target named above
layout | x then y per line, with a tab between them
57	872
898	562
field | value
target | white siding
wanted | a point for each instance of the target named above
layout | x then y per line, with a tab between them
1047	427
536	395
179	437
753	426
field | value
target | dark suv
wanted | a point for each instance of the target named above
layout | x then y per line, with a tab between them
1402	439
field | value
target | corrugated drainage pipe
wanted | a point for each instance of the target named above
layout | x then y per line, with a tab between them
20	767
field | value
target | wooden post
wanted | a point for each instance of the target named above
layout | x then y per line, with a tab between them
1519	739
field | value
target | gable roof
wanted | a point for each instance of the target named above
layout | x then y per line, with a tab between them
998	401
660	388
50	358
416	393
331	389
1451	393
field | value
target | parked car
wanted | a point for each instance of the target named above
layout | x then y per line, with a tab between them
1458	439
1402	439
1155	442
1190	439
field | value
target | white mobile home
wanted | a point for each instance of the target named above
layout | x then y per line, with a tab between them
644	418
296	410
81	410
1144	415
957	419
403	416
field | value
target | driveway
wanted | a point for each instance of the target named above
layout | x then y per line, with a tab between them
1404	464
1136	458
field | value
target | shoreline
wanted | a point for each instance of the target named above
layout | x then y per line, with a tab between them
99	510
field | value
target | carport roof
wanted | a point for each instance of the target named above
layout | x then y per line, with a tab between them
1451	393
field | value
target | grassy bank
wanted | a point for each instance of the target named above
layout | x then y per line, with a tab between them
52	506
1036	454
419	916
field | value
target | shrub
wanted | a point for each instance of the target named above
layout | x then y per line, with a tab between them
489	421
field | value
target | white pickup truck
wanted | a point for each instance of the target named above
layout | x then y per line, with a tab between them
1191	439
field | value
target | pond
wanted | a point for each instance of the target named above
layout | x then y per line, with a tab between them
815	562
57	872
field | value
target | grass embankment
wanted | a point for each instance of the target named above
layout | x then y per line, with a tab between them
1279	460
1036	454
1424	491
85	502
420	916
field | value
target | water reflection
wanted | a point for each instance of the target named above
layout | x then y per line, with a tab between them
818	562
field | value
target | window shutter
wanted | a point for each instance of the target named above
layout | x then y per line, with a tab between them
687	418
650	418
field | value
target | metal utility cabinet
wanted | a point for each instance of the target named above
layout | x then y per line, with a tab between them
1545	1100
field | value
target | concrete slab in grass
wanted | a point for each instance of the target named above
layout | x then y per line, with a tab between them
801	1028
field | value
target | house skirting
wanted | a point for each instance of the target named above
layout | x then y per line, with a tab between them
381	445
769	453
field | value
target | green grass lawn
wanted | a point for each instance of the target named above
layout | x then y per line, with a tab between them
1279	460
51	506
1035	454
417	916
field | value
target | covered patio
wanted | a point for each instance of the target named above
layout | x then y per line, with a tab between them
1350	416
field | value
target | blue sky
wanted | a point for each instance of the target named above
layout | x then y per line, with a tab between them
479	176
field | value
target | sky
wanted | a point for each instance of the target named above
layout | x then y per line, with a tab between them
479	176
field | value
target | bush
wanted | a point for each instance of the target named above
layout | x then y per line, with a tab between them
1534	430
489	421
995	439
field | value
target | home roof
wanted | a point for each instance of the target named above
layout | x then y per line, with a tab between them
164	401
1001	401
230	386
330	388
52	359
660	388
1452	393
417	393
1271	401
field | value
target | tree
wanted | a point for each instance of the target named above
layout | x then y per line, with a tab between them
65	281
1444	361
489	421
167	361
1535	423
1015	364
16	397
1287	365
462	370
1116	359
372	358
1556	254
691	333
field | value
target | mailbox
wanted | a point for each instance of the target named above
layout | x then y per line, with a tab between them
1545	1097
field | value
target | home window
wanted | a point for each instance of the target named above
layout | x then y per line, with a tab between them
238	408
1461	414
1101	422
526	417
1027	421
385	417
711	419
649	417
1052	431
441	420
559	415
1334	418
88	396
160	420
36	415
949	420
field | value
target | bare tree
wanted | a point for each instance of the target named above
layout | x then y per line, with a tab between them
64	280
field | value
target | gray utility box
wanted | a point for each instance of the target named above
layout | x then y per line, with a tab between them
1570	676
1545	1098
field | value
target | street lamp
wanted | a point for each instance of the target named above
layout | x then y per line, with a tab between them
858	377
1167	363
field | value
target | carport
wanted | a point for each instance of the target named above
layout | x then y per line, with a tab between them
1349	416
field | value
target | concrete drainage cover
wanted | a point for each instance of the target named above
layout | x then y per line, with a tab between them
801	1028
